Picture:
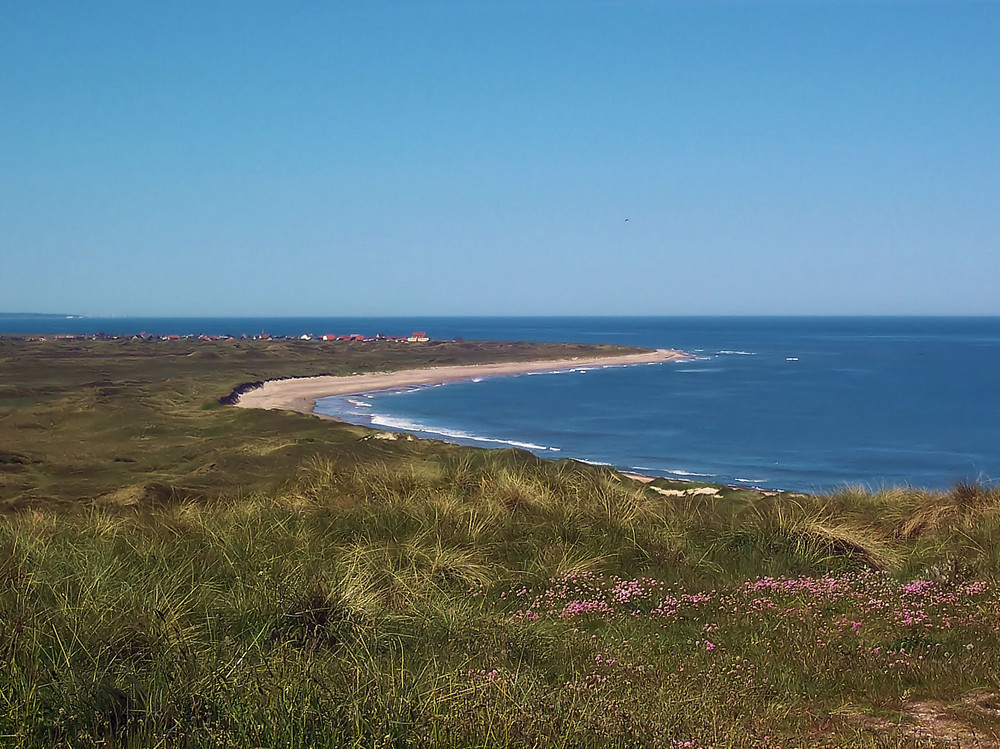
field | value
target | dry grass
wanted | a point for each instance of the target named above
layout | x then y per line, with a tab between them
409	601
265	579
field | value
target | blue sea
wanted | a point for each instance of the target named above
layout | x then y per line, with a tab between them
806	403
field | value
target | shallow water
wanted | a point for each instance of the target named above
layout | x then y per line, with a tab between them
806	404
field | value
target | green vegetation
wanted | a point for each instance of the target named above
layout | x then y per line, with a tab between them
414	593
134	421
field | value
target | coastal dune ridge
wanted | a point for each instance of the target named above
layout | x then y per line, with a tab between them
301	393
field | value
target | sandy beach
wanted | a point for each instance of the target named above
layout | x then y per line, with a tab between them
300	394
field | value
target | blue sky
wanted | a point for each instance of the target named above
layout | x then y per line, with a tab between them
482	157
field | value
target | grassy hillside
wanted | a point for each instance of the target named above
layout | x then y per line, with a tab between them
412	593
133	420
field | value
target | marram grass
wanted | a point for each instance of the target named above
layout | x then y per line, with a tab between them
476	599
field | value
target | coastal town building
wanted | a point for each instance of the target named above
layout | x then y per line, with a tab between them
417	337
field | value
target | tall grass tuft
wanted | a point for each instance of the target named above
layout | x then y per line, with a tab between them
956	509
473	599
834	539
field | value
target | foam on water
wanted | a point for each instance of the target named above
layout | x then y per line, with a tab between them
876	401
406	425
401	390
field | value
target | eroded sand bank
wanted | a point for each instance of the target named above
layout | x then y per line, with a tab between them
300	394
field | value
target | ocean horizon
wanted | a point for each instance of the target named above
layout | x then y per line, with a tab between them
794	403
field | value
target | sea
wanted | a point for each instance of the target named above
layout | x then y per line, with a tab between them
792	403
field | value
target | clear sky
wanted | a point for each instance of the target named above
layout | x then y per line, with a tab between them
482	156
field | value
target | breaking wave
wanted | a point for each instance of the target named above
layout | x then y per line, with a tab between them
407	425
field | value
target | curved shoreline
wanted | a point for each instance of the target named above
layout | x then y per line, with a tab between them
301	393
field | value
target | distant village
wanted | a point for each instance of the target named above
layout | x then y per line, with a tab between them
417	337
